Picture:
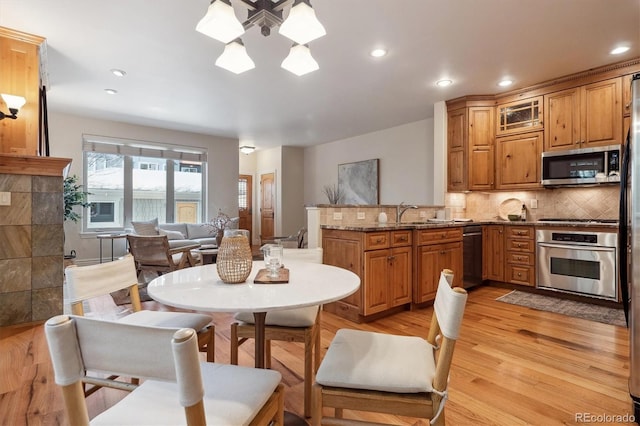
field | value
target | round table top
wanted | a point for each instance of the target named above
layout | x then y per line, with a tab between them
201	289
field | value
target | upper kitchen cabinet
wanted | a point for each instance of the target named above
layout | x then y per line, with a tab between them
20	76
520	116
470	135
584	116
518	161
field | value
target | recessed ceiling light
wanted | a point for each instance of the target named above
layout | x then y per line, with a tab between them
378	53
444	83
619	50
111	91
506	82
118	73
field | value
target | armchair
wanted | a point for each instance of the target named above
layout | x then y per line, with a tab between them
152	253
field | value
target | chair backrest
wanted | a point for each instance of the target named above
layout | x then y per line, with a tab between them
150	250
448	309
77	344
86	282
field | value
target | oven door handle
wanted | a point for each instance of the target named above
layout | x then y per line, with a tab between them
576	247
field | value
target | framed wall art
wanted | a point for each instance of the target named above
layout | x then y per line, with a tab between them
358	182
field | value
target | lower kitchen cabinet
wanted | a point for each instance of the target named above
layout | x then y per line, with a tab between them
436	249
382	260
509	254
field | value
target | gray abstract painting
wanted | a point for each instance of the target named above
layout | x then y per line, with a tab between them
358	182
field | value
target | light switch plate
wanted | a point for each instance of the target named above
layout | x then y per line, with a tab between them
533	203
337	215
5	198
360	215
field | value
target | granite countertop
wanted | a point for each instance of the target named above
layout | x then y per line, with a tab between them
368	227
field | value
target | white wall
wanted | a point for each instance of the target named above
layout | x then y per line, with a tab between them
66	132
293	210
406	163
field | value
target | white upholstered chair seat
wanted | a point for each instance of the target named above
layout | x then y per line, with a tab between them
232	396
360	360
167	319
299	317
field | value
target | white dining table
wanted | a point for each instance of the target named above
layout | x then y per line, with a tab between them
201	289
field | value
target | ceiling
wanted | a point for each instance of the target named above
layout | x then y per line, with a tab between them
171	80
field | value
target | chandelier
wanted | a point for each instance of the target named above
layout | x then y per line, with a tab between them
301	26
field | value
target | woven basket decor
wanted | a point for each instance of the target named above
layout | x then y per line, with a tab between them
234	261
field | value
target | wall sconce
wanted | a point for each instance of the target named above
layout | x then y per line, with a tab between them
14	103
245	149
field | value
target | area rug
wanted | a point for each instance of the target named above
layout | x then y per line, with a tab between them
570	308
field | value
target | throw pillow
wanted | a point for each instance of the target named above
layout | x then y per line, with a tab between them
172	235
198	230
149	227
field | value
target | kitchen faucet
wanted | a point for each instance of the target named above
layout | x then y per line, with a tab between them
400	209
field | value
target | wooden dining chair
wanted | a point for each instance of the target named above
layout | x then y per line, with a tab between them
399	375
152	253
177	387
86	282
293	325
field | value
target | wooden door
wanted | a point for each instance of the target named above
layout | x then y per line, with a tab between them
245	203
400	276
376	267
518	161
267	206
493	252
481	142
562	120
602	113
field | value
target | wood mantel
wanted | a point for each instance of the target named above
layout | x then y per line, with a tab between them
32	165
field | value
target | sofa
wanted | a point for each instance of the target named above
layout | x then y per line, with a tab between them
182	234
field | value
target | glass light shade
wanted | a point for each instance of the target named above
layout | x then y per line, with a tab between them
247	149
301	25
235	58
13	102
220	22
300	61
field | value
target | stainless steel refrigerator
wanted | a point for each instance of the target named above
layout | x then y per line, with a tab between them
629	242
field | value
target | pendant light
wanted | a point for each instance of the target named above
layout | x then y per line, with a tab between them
235	58
301	25
220	22
300	61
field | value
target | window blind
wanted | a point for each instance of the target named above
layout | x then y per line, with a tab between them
108	145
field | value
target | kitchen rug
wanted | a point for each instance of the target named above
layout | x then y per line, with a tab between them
570	308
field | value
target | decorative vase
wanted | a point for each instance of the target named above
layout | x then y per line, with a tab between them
234	260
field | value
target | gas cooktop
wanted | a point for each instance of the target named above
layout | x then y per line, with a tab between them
573	220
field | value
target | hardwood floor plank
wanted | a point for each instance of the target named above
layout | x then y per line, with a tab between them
512	366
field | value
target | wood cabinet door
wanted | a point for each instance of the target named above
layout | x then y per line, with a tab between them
400	276
376	268
602	113
562	120
481	169
432	260
457	150
493	252
518	161
346	254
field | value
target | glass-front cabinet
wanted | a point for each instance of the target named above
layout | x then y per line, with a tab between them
520	116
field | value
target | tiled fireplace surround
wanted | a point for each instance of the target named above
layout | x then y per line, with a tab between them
599	202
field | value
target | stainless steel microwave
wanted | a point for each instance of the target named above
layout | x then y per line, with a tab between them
584	166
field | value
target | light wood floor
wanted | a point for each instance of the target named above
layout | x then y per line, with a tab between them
512	366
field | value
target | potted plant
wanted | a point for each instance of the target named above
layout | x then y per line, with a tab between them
73	196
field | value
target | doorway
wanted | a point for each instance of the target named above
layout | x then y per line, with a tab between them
267	206
245	204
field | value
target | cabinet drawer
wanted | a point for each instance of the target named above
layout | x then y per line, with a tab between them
518	258
517	274
520	231
376	240
401	238
516	244
433	236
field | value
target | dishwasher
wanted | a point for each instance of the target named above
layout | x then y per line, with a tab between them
472	256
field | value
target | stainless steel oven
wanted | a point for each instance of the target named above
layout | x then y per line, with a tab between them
578	262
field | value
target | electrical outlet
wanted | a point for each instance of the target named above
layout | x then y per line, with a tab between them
360	215
337	215
423	214
533	203
5	198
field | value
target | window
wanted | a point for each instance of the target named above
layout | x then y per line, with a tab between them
128	181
